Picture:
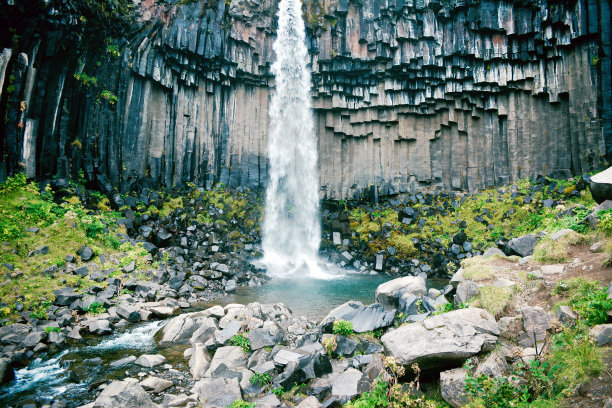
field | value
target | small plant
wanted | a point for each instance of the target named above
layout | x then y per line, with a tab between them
85	79
330	345
242	404
95	308
261	379
109	96
51	329
278	391
113	50
39	311
241	341
343	327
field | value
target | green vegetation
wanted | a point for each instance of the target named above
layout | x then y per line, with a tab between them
241	341
51	329
343	327
64	224
493	299
494	213
86	80
109	96
261	379
588	298
95	308
329	345
241	404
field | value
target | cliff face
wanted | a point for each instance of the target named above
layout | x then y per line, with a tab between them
407	95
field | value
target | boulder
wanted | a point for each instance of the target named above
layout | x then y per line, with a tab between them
124	394
100	326
601	334
443	339
124	361
535	323
350	383
180	328
493	366
231	357
302	368
268	335
388	293
363	318
6	371
205	332
593	219
232	329
601	185
86	253
566	315
150	360
452	384
155	384
522	246
267	401
128	312
466	290
65	296
199	361
218	393
310	402
32	339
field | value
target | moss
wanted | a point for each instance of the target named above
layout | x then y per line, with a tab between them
171	205
404	245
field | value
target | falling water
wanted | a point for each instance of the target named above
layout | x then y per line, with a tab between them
291	230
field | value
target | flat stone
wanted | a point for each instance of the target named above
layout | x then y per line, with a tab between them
552	269
155	384
124	361
150	360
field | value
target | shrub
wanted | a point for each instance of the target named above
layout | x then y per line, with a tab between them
605	222
261	379
51	329
549	251
587	298
330	345
241	341
493	299
95	308
343	327
404	245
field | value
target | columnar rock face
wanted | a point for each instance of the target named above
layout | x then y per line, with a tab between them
408	94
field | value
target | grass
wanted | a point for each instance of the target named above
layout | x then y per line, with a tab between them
493	299
505	215
548	251
577	358
478	268
404	245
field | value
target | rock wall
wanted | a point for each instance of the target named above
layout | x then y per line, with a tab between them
408	95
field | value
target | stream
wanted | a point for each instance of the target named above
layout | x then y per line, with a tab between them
52	375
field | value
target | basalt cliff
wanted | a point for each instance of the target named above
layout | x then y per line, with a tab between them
407	94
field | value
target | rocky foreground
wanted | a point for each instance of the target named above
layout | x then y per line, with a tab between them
266	355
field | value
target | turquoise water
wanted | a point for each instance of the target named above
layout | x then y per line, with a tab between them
312	298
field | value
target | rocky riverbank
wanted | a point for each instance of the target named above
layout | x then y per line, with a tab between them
74	268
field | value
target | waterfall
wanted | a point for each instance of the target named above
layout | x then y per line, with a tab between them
291	229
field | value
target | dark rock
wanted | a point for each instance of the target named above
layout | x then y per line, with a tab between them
65	296
82	271
601	186
86	253
6	371
460	238
522	246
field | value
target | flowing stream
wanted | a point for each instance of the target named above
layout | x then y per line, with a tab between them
48	376
291	228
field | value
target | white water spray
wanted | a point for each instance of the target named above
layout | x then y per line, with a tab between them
291	230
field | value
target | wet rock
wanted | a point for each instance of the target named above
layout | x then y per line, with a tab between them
452	383
123	361
155	384
445	338
123	394
128	312
388	293
6	371
150	360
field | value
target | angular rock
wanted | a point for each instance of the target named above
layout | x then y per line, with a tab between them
522	246
128	312
199	361
466	290
601	334
363	318
123	394
155	384
123	361
231	357
566	315
601	185
66	296
452	383
218	393
442	339
350	383
388	293
268	335
150	360
100	326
